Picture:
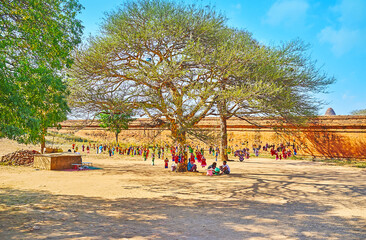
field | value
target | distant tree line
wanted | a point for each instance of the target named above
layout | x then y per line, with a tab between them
359	112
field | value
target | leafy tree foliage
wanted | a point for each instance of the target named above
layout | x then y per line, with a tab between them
149	46
36	38
181	63
359	112
88	99
115	122
256	80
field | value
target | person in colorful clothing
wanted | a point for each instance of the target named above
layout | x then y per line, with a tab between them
225	169
166	161
191	167
153	159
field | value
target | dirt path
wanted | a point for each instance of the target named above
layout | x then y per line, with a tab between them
129	198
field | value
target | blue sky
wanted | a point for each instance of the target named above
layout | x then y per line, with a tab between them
335	30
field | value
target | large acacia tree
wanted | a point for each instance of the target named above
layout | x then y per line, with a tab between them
181	63
256	80
36	38
149	45
236	60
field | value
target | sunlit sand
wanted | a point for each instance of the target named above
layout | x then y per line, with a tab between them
129	198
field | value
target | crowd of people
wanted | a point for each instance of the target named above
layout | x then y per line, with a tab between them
187	155
279	151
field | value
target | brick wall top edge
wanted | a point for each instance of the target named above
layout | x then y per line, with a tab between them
339	120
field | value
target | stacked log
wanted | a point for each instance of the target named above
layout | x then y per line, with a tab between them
18	158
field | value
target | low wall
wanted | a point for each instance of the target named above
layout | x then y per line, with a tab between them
56	161
344	132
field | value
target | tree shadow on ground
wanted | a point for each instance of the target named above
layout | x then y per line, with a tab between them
64	217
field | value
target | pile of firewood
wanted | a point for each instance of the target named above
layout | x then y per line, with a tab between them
21	157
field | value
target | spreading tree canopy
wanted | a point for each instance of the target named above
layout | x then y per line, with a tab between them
36	38
257	80
149	45
182	63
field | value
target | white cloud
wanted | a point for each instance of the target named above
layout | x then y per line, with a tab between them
350	32
238	6
351	11
287	12
342	40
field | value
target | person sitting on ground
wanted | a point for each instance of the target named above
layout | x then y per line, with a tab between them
213	165
225	169
191	167
174	167
210	169
215	170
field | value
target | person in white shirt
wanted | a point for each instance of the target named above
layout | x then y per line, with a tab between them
225	169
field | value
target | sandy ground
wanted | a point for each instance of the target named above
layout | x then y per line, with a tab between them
129	198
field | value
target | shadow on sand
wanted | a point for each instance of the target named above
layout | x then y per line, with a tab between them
64	217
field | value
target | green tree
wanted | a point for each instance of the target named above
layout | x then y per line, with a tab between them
255	80
149	44
359	112
36	38
235	59
182	63
115	122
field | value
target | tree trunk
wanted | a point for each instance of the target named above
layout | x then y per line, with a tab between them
223	137
180	137
117	137
223	127
43	144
